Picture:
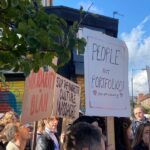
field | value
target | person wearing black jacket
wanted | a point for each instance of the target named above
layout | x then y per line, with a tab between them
48	139
140	146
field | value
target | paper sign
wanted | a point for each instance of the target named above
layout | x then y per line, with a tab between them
66	98
106	75
38	96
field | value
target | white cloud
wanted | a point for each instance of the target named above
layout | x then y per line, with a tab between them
89	5
140	83
139	55
138	44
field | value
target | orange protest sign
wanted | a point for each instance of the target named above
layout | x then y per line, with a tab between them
38	95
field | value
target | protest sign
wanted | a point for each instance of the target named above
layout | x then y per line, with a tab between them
66	98
106	75
38	95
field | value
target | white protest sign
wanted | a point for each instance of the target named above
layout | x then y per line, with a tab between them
106	75
38	96
66	98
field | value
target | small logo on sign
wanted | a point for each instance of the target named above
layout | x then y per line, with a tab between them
94	92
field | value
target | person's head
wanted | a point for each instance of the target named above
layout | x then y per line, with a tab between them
15	132
142	134
126	128
51	123
83	136
123	133
24	133
8	117
138	112
10	131
96	121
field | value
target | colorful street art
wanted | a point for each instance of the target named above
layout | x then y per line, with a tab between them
11	94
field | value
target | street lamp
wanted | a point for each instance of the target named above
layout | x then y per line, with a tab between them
132	90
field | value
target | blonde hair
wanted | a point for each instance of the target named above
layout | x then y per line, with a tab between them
41	125
139	106
9	117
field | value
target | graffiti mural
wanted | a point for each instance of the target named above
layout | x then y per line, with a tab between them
11	94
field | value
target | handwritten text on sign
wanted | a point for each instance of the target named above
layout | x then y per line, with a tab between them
110	56
38	96
106	75
67	98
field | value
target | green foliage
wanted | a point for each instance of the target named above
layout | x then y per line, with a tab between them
31	38
146	110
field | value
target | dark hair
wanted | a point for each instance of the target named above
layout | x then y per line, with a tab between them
91	119
121	137
83	135
139	133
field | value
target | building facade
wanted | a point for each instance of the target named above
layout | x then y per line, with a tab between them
74	69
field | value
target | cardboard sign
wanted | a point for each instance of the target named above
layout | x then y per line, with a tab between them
66	98
38	96
49	94
106	75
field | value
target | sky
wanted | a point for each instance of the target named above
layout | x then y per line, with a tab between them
134	29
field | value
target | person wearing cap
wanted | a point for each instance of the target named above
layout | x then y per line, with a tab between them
48	140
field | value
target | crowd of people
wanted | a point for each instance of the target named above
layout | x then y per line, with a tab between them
13	135
84	133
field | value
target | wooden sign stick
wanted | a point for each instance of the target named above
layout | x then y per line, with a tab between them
34	135
110	132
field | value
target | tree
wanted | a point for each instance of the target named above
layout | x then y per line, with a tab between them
30	38
146	110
